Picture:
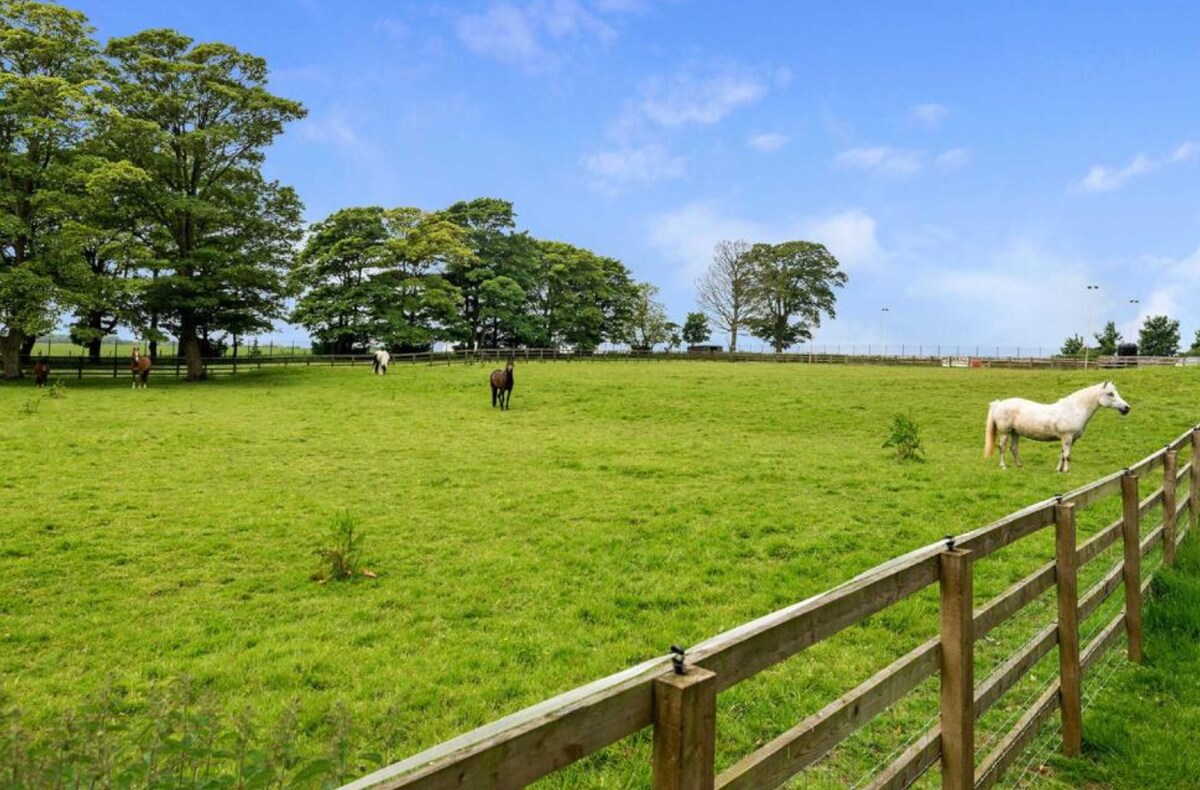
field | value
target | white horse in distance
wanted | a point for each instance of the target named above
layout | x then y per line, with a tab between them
1044	422
381	362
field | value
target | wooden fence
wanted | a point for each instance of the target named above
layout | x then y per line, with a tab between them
79	367
680	706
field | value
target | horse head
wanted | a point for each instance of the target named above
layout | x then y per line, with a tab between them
1111	398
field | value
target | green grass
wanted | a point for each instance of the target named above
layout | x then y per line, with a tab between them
1139	733
168	534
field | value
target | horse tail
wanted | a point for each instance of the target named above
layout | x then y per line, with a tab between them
989	435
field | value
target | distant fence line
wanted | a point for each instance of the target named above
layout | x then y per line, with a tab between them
680	707
115	366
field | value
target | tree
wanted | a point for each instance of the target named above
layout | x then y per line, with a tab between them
648	319
49	65
1108	339
723	291
1072	346
577	297
490	304
695	328
673	337
197	118
1159	337
791	285
376	276
1194	351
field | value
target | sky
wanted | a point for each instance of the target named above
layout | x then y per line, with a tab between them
974	167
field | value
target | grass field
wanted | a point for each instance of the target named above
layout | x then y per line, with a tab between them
164	539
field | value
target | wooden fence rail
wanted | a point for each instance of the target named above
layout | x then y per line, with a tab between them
532	743
115	366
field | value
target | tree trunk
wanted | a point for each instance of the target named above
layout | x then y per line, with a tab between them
27	345
195	366
10	347
94	349
733	338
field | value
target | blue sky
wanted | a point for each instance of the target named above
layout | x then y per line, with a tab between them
973	166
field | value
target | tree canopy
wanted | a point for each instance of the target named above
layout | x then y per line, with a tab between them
791	285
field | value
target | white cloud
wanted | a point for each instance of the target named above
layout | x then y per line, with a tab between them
529	35
768	142
699	96
393	29
953	158
1102	178
929	115
641	164
686	236
881	160
333	129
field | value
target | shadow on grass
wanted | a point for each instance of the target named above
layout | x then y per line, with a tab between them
1141	730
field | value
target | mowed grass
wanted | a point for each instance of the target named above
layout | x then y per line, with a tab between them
616	509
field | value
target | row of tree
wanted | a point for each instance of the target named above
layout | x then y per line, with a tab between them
406	278
1158	337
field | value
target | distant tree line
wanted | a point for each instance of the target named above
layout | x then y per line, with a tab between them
1158	337
405	278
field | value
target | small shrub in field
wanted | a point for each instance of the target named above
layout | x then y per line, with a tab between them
340	560
906	439
58	391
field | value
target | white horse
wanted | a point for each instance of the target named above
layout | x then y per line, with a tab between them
381	361
1044	422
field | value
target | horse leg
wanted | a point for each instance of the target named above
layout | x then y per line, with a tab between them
1016	439
1003	447
1066	453
493	397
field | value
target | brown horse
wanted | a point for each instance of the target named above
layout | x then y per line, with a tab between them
502	384
41	372
140	367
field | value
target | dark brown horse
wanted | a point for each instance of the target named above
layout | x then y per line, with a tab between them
140	367
41	372
502	383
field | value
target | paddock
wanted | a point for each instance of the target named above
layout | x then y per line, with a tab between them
648	505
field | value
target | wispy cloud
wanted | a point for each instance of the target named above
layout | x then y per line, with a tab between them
768	142
929	115
881	160
394	29
633	164
686	236
334	129
695	95
700	95
953	158
1102	178
530	35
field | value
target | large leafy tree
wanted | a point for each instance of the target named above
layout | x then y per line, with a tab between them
792	285
49	66
578	298
197	118
496	279
1194	351
375	276
335	269
723	291
1159	337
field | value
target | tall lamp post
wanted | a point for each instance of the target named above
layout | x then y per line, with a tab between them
1091	290
885	312
1135	312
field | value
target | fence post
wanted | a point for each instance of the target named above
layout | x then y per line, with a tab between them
958	671
80	375
1069	674
1170	469
1194	492
685	728
1133	565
